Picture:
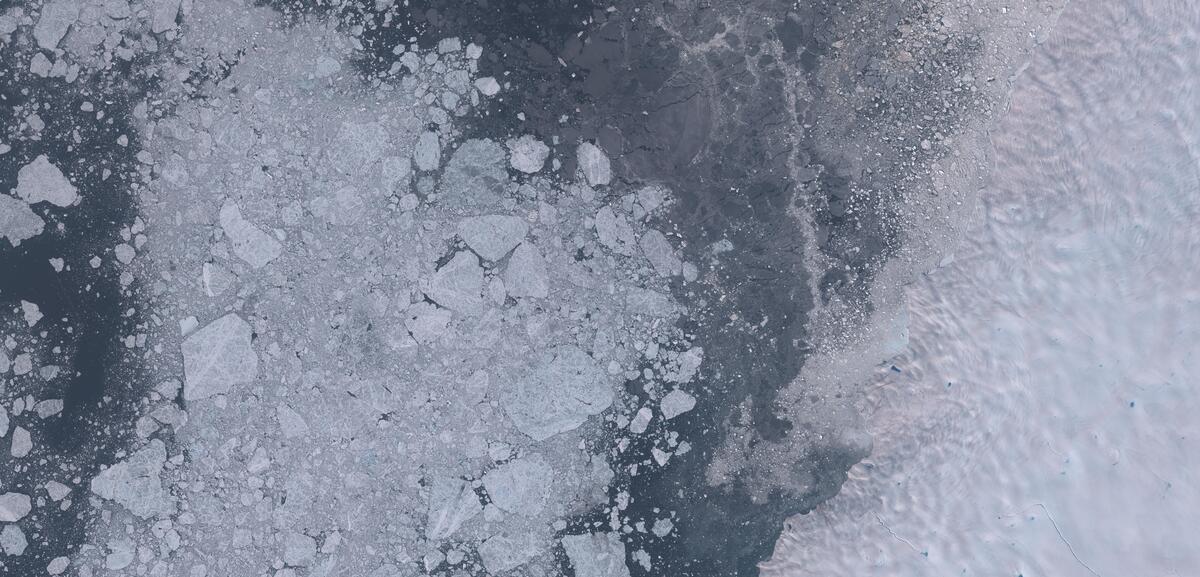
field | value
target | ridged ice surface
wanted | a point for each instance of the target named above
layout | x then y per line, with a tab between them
1044	419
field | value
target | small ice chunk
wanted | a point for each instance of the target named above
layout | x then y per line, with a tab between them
290	422
520	486
662	527
124	253
31	312
3	420
48	408
648	302
217	357
596	555
660	253
563	388
651	197
452	502
458	285
614	232
42	181
58	565
135	484
660	456
527	154
688	364
487	86
503	553
641	421
492	236
57	491
248	242
40	65
594	164
299	549
22	443
527	274
676	403
426	322
18	222
163	14
428	154
14	507
56	18
358	146
12	541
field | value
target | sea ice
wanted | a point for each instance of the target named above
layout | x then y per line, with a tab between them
42	181
217	357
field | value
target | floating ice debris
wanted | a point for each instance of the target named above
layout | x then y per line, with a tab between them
648	302
12	541
31	312
521	486
687	365
41	181
22	443
660	253
458	285
527	274
248	242
290	422
596	555
163	14
358	146
492	236
428	153
299	549
57	491
135	484
3	420
594	164
217	357
452	502
676	403
22	364
487	86
124	253
641	421
18	222
56	18
14	507
560	392
58	565
651	197
502	553
614	232
426	322
476	175
527	154
48	408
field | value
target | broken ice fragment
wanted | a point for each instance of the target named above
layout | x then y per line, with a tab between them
14	507
596	555
594	164
41	181
641	421
676	403
476	175
56	18
501	553
614	232
452	502
22	443
358	146
3	419
31	312
660	253
17	221
526	275
527	154
492	236
57	491
12	541
520	486
57	565
48	408
217	357
163	14
426	322
458	285
135	484
428	154
299	549
648	302
290	422
562	389
487	86
248	242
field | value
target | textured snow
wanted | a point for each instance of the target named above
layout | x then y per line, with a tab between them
217	357
135	483
596	555
492	236
42	181
18	222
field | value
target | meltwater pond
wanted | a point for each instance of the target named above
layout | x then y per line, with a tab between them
1043	419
